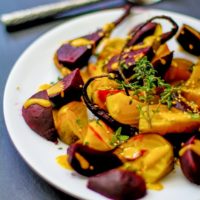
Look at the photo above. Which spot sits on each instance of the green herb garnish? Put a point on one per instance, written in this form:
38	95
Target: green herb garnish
118	138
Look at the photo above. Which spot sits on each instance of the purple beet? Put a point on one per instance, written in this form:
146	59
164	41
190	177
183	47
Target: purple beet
118	184
77	52
189	39
128	58
97	161
162	64
39	116
143	33
66	90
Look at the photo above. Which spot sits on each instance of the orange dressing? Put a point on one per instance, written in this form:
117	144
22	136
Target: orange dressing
41	102
154	186
55	89
62	161
44	87
81	42
83	162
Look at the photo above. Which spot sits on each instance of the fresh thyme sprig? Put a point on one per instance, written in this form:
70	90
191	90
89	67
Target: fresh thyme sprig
145	81
118	138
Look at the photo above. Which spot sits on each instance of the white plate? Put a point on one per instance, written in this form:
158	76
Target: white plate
36	67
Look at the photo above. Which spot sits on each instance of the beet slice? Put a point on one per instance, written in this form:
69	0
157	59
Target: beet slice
143	33
128	58
66	90
189	39
118	184
97	161
162	64
190	160
39	117
77	52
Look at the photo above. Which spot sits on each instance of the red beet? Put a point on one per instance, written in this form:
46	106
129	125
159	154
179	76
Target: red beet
73	56
189	39
66	90
190	161
144	32
98	161
129	60
40	118
118	184
162	64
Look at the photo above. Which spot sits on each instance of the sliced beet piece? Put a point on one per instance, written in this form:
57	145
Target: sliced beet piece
190	160
77	52
66	90
118	184
128	58
140	35
162	64
96	161
38	115
189	39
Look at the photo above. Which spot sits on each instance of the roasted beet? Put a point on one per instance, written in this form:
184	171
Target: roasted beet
88	162
145	27
66	90
118	184
128	58
190	160
37	112
176	140
77	52
162	64
189	39
103	114
140	35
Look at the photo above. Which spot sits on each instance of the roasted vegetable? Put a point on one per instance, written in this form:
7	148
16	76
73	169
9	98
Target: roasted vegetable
189	39
123	108
99	136
103	114
99	96
76	53
88	162
118	184
66	90
159	119
190	160
145	31
191	89
71	122
37	112
180	70
149	155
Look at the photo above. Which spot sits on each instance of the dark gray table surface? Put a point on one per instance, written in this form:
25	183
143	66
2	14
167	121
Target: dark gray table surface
17	180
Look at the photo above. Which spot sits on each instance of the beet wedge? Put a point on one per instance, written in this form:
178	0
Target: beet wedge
76	53
190	160
37	112
189	39
66	90
89	162
118	184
